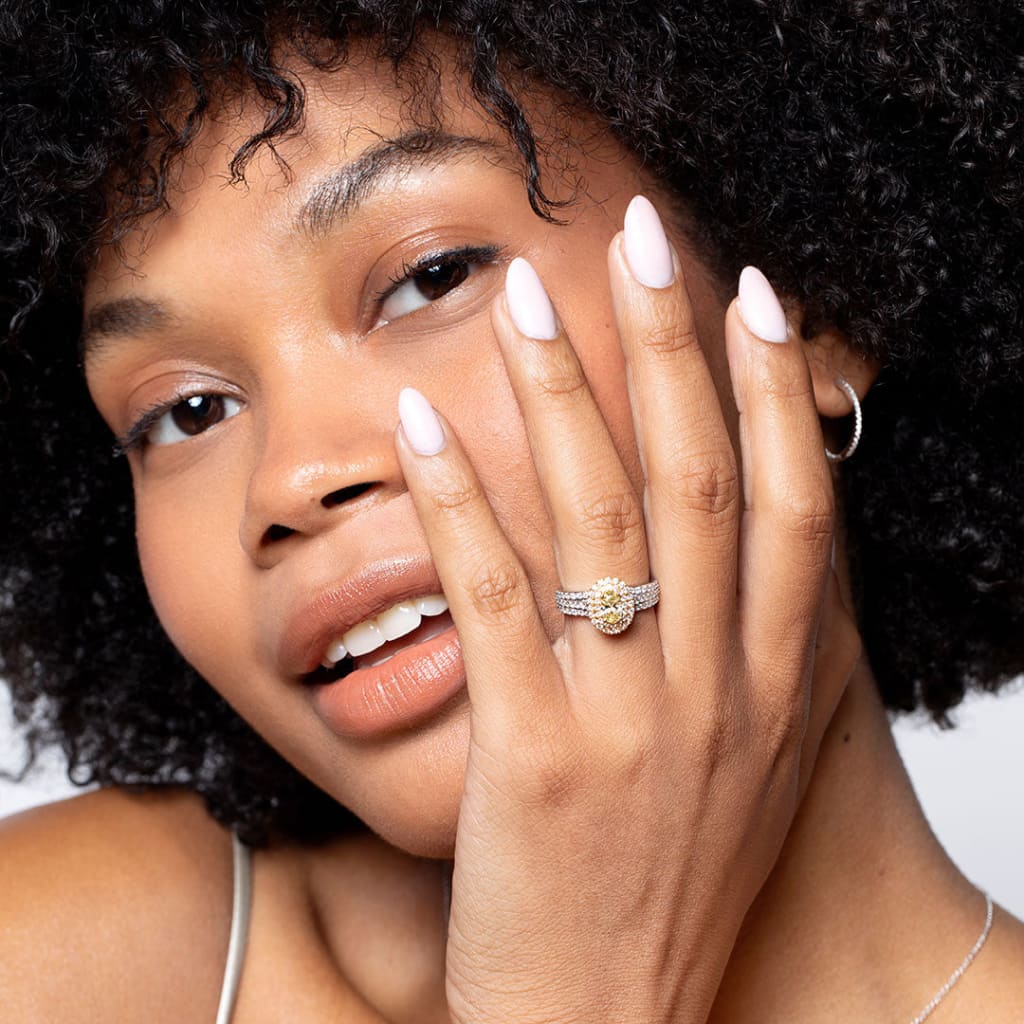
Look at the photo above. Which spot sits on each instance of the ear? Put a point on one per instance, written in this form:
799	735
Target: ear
830	355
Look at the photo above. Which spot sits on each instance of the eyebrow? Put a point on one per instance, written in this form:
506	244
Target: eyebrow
329	201
121	317
337	196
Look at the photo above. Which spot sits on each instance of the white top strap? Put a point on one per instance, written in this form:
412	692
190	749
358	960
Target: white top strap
241	902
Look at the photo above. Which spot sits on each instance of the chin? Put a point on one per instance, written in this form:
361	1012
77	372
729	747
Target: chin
435	840
410	789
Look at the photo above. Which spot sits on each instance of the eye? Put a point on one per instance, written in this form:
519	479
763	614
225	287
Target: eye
177	421
192	416
430	279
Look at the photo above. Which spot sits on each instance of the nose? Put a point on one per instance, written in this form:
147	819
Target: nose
302	484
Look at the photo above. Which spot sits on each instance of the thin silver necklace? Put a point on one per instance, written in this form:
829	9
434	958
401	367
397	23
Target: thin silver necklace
446	899
958	973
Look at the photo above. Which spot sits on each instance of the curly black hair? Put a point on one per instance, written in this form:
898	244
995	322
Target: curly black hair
864	153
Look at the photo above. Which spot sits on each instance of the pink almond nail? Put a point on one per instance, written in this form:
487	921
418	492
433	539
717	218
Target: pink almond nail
760	308
420	423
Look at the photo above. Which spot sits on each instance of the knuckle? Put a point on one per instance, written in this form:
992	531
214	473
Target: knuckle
810	519
550	772
784	387
555	373
611	520
450	501
630	757
669	338
498	591
561	383
708	485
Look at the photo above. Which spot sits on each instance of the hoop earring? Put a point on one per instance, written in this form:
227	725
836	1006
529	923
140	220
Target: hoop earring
858	422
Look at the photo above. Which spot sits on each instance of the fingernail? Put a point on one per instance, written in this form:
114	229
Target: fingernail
760	308
647	250
420	423
528	302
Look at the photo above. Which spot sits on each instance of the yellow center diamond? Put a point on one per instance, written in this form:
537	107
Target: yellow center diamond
611	605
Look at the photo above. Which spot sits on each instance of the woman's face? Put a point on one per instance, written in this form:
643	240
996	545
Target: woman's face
308	304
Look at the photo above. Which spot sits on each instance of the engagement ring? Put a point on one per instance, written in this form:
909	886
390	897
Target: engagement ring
610	604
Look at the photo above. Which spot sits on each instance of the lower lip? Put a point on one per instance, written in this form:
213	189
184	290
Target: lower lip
410	686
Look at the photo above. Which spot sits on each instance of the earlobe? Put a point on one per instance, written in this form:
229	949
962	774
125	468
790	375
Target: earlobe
831	356
842	378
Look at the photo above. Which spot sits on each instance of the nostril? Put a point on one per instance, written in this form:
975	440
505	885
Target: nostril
276	532
307	520
339	497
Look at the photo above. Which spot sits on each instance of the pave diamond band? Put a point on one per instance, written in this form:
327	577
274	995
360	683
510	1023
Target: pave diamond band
610	604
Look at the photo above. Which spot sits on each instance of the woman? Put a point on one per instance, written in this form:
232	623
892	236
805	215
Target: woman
277	231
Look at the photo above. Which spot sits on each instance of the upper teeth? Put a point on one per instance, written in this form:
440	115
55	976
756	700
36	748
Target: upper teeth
370	634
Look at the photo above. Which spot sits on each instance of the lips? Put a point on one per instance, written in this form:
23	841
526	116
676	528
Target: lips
413	686
399	685
429	628
334	610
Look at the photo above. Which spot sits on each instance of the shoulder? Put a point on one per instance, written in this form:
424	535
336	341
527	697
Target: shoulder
113	900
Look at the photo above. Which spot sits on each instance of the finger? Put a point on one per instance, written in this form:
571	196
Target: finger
788	494
596	514
837	649
509	664
692	495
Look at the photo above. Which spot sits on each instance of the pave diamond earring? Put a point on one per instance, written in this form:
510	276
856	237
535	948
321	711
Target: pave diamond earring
858	422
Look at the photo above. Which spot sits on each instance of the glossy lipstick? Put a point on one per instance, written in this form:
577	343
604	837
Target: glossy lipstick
410	686
423	674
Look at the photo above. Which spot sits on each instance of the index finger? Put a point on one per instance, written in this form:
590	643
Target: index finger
510	666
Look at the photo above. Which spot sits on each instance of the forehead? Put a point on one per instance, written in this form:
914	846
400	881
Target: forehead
396	123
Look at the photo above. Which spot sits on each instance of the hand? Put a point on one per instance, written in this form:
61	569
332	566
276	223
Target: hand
626	796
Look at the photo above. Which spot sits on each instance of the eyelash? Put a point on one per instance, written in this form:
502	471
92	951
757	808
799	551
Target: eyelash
481	254
135	436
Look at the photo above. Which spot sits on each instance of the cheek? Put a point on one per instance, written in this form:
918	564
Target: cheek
591	326
187	553
605	367
575	272
491	428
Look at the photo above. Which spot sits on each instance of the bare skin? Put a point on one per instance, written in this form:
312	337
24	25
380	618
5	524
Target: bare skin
150	877
354	930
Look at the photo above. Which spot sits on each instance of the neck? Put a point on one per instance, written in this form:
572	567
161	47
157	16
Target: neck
863	909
